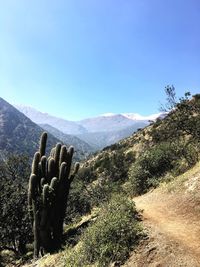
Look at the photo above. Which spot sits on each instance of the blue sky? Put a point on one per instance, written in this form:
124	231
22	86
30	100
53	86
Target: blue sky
81	58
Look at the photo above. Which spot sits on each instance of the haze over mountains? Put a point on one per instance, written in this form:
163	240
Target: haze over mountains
82	148
66	126
97	132
107	123
20	135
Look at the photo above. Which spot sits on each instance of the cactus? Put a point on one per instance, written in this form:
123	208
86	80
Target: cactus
48	191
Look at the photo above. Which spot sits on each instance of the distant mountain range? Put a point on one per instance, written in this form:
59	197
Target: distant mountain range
135	116
20	135
102	139
21	127
84	149
65	126
112	123
97	132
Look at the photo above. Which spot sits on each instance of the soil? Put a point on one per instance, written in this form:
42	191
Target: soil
172	224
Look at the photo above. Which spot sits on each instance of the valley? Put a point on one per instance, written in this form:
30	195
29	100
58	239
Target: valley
98	132
134	203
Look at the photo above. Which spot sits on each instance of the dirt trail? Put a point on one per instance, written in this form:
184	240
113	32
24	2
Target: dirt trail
173	230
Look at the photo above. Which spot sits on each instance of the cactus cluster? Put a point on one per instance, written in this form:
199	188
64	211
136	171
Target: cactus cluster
48	192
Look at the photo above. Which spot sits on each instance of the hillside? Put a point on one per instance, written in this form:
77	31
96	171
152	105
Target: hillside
18	134
155	171
171	219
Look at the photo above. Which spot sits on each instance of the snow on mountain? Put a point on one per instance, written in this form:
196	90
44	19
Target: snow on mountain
68	127
107	115
114	122
99	131
138	117
134	116
18	134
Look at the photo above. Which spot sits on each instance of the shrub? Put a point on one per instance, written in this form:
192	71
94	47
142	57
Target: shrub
147	171
183	118
102	190
115	165
87	174
115	232
15	230
79	202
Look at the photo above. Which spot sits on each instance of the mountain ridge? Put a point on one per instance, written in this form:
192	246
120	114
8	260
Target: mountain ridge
66	126
84	149
98	132
18	134
30	111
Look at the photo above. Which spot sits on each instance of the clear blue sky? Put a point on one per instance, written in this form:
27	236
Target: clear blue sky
81	58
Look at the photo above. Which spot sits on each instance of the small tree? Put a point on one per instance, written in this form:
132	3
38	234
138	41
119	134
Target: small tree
183	118
15	227
171	99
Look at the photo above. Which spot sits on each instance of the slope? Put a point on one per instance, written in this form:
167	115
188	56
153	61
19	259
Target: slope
18	134
158	156
171	219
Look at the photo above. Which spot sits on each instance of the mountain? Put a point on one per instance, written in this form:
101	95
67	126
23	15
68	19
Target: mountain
109	128
84	149
157	171
103	139
162	156
68	127
138	117
18	134
98	132
108	123
102	123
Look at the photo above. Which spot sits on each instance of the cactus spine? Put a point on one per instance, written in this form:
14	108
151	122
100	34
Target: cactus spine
48	192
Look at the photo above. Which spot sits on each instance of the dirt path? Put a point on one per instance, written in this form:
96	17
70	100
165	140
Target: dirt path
173	231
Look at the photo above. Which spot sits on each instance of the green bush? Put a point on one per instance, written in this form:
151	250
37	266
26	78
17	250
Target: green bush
15	230
111	237
183	119
148	170
79	202
114	165
87	174
102	191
